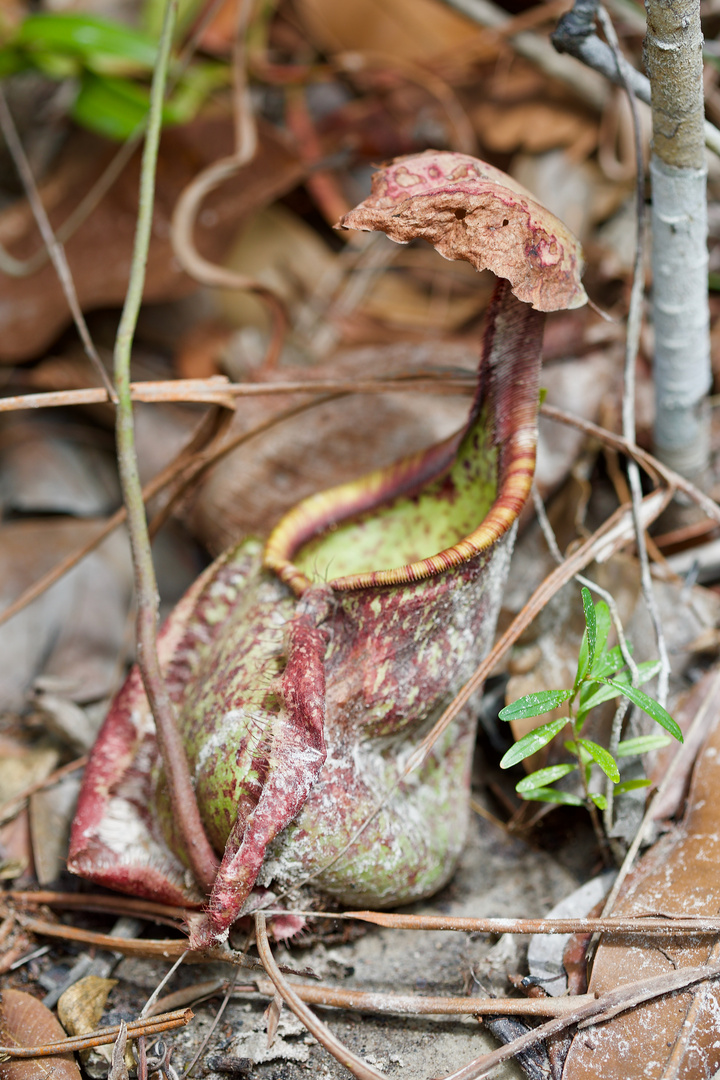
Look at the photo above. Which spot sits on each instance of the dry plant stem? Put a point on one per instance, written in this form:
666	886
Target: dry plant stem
413	1005
25	267
55	250
651	924
117	905
316	1027
218	391
185	810
162	948
372	1002
593	1012
101	1037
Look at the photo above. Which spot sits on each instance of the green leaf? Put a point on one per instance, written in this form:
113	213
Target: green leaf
544	777
103	46
590	623
632	785
599	800
114	108
608	662
602	757
641	744
532	742
603	622
653	708
583	663
609	689
534	704
548	794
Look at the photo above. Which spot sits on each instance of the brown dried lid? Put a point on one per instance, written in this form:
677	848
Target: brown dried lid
470	210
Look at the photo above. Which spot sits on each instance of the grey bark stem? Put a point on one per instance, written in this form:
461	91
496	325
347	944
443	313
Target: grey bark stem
673	56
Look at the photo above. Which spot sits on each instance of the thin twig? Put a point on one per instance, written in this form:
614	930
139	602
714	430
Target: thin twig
215	1021
632	345
147	1007
217	390
25	267
117	905
640	924
101	1037
184	804
652	466
315	1026
54	248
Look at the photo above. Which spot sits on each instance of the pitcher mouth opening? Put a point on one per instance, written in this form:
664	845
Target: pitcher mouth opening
417	518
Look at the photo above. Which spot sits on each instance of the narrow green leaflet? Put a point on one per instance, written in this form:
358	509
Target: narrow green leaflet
590	623
614	687
601	756
544	777
535	705
603	622
532	742
114	108
607	663
586	656
599	800
632	785
652	708
641	744
549	794
106	47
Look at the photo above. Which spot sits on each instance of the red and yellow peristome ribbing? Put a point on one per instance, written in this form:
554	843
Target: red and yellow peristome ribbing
509	378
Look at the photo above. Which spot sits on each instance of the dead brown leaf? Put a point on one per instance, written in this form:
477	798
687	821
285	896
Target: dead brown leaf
676	1036
34	310
409	29
25	1021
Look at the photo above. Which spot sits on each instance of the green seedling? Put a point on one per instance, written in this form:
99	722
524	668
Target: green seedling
601	675
111	64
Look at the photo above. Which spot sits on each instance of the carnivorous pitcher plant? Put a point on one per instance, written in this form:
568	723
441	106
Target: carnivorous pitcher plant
305	671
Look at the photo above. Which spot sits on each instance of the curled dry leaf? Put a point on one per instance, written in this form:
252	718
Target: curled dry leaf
25	1021
675	1036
